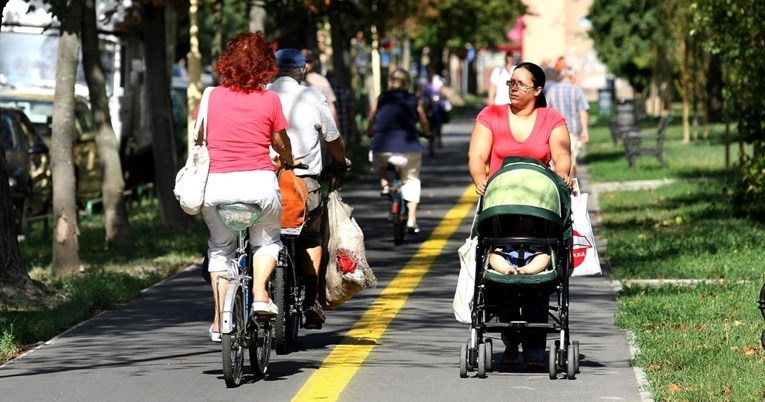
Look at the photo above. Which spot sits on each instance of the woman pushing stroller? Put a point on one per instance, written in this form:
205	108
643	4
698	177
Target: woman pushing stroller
523	128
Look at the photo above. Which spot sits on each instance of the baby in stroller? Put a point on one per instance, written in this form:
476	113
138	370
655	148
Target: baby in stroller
511	260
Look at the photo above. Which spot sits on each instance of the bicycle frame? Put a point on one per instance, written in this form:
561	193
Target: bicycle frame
238	277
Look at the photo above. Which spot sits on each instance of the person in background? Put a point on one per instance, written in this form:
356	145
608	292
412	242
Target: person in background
243	120
526	127
318	82
346	110
392	125
499	76
568	98
310	121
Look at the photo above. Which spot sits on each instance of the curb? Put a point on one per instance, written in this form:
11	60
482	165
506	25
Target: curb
593	208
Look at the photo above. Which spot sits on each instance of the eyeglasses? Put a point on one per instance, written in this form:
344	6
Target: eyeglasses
523	87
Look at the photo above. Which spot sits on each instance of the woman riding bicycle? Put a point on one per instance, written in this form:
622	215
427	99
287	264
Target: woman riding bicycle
244	119
392	126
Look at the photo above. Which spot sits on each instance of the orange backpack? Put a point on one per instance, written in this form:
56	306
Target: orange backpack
294	197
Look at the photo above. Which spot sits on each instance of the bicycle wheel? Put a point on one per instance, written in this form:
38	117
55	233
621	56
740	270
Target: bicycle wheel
232	343
281	298
260	347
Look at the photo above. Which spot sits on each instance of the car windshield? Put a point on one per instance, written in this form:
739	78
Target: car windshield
40	113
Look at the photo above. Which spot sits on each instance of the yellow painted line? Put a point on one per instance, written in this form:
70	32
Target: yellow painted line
344	361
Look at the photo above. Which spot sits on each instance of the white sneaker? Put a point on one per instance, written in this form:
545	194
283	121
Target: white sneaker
214	336
265	308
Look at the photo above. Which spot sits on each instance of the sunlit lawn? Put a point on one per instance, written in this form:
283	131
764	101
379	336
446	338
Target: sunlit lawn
701	342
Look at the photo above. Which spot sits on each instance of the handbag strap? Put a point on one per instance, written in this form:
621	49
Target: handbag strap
201	121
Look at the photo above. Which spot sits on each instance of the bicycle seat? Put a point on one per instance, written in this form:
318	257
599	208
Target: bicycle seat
239	216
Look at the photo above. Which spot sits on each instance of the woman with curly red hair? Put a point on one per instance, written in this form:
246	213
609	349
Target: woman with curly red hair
243	120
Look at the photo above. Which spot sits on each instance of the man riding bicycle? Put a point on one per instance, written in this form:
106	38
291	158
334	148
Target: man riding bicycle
310	119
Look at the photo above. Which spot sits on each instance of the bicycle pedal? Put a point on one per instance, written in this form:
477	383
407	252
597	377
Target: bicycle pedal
263	317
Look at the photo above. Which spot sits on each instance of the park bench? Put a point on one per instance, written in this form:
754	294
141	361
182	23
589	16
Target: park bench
624	121
637	144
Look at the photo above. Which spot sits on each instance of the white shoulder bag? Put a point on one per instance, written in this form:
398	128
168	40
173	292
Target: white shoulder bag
191	180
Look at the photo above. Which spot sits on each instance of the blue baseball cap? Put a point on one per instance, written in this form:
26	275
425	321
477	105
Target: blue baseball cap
290	58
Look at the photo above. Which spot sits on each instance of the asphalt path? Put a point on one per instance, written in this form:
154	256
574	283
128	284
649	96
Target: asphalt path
156	348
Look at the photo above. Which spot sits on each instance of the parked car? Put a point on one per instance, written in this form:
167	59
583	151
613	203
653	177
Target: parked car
28	166
38	106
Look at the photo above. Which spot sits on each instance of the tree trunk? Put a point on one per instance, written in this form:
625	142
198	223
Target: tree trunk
163	138
341	48
66	258
118	233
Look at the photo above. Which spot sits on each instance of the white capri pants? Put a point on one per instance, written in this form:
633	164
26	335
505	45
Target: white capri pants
252	187
411	188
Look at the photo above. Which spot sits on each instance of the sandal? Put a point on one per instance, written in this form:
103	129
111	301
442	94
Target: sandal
265	308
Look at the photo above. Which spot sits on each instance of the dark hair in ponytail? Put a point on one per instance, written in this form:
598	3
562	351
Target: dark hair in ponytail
538	78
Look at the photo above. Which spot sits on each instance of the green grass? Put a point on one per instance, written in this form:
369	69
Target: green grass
700	342
684	230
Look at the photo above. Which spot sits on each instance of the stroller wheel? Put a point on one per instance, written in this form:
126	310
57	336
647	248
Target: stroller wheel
489	354
482	360
463	361
571	364
576	353
552	365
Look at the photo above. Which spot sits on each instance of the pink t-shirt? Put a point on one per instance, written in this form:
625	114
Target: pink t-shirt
497	119
239	129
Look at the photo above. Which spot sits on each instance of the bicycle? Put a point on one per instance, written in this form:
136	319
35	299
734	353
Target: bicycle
287	283
239	328
397	207
288	287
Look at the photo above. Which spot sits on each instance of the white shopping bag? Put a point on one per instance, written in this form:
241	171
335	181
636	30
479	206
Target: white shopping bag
463	295
586	260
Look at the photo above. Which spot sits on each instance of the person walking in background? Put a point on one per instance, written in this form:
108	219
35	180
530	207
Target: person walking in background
525	127
568	98
243	119
498	94
436	104
318	82
346	111
310	121
393	128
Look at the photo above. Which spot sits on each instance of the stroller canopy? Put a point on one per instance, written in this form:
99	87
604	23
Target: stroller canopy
523	186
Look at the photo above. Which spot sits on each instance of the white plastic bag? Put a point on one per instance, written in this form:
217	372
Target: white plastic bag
348	271
463	295
191	180
585	260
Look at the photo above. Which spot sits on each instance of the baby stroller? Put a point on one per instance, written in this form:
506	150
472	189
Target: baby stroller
522	189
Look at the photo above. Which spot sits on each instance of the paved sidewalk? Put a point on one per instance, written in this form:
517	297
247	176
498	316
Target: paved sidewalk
594	190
